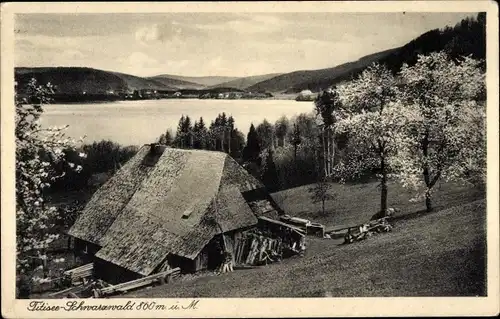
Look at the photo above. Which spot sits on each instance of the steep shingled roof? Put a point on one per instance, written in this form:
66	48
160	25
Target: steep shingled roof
171	201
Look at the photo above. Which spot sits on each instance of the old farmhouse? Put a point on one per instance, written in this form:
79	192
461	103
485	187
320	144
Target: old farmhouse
178	208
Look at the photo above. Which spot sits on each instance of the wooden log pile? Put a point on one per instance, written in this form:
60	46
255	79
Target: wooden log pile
79	274
255	247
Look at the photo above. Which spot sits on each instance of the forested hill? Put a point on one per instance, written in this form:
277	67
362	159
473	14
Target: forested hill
205	81
316	80
245	82
467	37
77	80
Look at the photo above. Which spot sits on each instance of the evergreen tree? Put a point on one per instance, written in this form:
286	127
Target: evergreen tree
295	140
162	139
281	129
221	132
200	135
187	130
230	132
265	132
237	144
169	137
251	152
270	173
212	137
166	138
179	135
216	133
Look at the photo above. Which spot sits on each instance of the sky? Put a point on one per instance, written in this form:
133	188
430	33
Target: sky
210	44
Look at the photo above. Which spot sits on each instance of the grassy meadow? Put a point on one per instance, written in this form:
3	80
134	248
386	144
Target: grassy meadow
436	254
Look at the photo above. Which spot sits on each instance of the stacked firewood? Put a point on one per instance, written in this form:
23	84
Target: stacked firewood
79	274
264	250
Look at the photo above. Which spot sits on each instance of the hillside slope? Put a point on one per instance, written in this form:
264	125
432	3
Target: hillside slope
177	83
206	81
316	80
76	80
441	254
245	82
347	208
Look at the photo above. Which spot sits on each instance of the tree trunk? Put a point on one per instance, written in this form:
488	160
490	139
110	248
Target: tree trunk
229	141
324	153
328	142
223	140
383	184
427	178
333	153
323	201
295	152
428	202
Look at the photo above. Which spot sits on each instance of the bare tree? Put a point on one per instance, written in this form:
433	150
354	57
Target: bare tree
321	192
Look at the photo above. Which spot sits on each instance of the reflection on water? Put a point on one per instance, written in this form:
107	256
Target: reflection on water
139	122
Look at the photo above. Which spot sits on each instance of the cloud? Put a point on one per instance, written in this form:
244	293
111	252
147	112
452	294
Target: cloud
171	32
147	34
247	24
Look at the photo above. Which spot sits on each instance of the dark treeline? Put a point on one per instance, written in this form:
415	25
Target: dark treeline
468	37
98	161
220	135
291	152
283	154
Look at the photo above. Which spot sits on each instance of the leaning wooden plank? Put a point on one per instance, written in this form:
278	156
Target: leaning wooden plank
61	292
138	282
79	269
298	230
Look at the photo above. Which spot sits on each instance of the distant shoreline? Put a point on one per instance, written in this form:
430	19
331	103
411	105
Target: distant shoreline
286	97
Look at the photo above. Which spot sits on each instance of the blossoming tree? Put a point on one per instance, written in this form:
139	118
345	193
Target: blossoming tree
446	132
40	160
373	119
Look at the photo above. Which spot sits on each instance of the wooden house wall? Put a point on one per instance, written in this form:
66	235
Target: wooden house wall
85	250
185	264
244	246
112	273
288	236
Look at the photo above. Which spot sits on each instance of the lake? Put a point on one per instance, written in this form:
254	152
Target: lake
140	122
